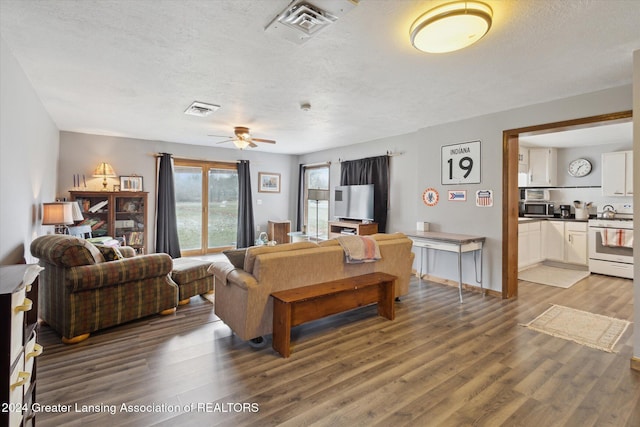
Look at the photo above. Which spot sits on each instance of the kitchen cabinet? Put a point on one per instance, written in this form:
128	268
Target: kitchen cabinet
553	240
575	240
565	241
523	159
617	174
543	167
529	244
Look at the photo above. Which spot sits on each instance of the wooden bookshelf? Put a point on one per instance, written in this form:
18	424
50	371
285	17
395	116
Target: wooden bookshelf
123	217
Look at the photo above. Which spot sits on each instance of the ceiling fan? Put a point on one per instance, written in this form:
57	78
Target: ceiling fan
243	138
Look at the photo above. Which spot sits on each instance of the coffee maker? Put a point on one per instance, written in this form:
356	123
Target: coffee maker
565	211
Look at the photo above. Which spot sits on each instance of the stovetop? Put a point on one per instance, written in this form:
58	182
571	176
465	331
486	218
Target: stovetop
626	223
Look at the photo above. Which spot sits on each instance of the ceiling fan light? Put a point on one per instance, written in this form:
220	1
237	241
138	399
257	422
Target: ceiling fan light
241	143
451	27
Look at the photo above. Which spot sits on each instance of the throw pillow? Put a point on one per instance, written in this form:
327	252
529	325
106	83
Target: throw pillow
109	253
236	256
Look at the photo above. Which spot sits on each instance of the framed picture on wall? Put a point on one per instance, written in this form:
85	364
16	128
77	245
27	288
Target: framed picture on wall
131	183
268	182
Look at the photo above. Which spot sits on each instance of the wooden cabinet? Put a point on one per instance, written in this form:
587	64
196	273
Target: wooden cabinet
543	167
617	174
341	228
279	231
19	326
118	214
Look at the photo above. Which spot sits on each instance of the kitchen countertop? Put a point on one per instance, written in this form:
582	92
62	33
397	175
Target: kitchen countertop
555	218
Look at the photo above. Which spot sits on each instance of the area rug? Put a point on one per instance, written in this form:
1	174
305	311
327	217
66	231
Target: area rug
553	276
582	327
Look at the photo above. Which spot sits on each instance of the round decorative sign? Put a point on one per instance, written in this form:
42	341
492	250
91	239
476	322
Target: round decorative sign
430	197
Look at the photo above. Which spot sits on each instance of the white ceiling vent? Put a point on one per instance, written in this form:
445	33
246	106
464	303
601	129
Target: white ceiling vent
302	19
200	109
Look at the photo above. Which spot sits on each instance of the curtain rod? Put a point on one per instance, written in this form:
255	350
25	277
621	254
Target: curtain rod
195	159
309	165
388	153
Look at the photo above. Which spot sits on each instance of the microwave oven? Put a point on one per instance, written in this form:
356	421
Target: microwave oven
538	209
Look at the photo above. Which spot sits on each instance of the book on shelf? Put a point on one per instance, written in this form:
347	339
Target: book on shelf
98	225
135	238
95	208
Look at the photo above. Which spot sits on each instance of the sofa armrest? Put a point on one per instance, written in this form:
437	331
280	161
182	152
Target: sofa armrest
127	251
241	279
112	273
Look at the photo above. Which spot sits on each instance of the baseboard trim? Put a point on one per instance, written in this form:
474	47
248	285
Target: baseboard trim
454	284
635	363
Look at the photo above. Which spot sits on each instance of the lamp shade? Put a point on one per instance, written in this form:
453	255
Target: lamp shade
76	211
317	194
104	170
451	26
57	213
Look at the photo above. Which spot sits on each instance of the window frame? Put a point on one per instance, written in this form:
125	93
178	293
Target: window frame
205	166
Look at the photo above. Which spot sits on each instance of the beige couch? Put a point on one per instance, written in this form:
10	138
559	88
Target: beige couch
242	295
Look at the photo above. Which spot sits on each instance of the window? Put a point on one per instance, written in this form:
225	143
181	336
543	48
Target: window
206	205
316	212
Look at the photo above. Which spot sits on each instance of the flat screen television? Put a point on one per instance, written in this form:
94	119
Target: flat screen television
353	202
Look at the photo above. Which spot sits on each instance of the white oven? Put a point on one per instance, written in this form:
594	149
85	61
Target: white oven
611	247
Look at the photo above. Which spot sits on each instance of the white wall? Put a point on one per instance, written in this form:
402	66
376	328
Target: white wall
28	160
81	153
418	166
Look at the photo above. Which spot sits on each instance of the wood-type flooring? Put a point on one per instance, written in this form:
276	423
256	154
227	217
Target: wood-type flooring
439	363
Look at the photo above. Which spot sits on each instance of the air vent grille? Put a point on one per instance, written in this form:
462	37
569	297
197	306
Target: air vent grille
200	109
307	18
301	20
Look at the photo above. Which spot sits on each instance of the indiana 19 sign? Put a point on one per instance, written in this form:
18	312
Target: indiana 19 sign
461	163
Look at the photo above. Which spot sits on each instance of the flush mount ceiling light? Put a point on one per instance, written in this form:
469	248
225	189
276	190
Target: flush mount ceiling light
451	26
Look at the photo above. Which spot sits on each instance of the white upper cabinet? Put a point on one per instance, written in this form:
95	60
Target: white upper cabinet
543	167
523	159
617	173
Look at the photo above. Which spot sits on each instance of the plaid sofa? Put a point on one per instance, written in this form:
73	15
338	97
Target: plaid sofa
82	291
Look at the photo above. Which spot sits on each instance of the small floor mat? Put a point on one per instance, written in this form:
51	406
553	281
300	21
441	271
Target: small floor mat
582	327
553	276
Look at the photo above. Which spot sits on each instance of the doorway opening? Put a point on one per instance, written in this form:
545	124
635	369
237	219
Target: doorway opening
511	194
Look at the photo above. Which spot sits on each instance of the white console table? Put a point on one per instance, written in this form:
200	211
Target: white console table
449	242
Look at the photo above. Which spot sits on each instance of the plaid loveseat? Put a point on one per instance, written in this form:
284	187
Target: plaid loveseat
80	292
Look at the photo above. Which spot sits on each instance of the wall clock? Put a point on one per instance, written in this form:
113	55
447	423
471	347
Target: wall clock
579	167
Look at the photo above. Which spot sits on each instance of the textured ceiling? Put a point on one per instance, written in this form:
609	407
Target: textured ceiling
130	68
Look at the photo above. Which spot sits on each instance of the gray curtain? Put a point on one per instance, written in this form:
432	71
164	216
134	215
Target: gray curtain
246	230
166	225
372	170
300	210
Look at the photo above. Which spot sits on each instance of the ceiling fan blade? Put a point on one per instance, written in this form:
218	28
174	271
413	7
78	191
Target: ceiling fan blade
221	136
269	141
251	144
226	140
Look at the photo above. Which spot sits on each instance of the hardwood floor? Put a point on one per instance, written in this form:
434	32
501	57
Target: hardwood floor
439	363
